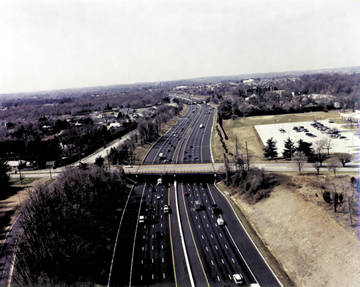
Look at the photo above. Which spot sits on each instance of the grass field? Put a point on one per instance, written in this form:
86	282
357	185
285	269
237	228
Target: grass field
243	129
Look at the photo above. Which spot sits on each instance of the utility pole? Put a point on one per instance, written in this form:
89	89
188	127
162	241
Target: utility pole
247	157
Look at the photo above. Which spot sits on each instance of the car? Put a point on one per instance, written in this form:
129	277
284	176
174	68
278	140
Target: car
282	130
343	137
166	209
238	278
158	196
220	221
186	193
201	126
141	219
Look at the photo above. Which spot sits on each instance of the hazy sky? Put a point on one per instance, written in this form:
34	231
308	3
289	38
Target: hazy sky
50	44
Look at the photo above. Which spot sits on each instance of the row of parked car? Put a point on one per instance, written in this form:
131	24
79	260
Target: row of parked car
300	129
333	133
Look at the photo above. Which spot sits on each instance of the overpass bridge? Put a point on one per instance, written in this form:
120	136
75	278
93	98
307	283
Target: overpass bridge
181	169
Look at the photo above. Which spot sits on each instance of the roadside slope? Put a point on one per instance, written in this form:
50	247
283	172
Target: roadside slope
313	249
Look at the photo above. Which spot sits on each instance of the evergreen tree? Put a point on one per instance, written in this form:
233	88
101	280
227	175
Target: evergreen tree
270	150
289	149
306	148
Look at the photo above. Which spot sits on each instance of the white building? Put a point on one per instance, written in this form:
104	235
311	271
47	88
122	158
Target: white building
355	117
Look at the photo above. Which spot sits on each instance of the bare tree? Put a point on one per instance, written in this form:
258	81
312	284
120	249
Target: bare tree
333	165
319	148
344	158
300	159
317	166
328	145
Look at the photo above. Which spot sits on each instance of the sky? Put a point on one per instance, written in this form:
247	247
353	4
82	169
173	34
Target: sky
56	44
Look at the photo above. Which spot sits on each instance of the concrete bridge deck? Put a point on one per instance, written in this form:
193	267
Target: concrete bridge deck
190	168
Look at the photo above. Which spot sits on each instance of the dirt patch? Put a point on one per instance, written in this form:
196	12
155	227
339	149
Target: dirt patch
313	245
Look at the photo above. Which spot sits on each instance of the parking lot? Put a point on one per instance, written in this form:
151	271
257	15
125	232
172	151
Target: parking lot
342	140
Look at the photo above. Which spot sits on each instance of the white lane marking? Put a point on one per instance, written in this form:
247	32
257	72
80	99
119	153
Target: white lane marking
229	276
204	216
212	262
152	236
218	278
212	236
144	237
196	217
162	246
152	260
161	216
199	226
216	247
141	277
163	275
202	236
222	261
220	234
142	261
152	276
152	247
207	225
212	216
232	259
226	246
153	226
162	260
161	225
143	248
207	249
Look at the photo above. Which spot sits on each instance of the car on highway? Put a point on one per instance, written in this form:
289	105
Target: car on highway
186	193
141	219
198	205
166	209
220	221
238	278
201	126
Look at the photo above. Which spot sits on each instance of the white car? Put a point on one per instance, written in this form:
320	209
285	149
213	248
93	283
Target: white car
238	278
220	221
166	209
141	219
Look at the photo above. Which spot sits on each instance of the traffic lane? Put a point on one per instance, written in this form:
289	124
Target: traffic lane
121	269
197	270
258	266
227	261
226	246
155	150
211	260
152	259
169	141
194	140
181	272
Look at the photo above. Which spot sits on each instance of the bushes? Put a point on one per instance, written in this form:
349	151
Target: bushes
69	228
254	183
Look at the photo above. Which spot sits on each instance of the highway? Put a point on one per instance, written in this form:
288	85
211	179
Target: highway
185	245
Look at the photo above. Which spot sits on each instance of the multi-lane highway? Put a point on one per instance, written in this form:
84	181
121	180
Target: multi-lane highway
171	233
